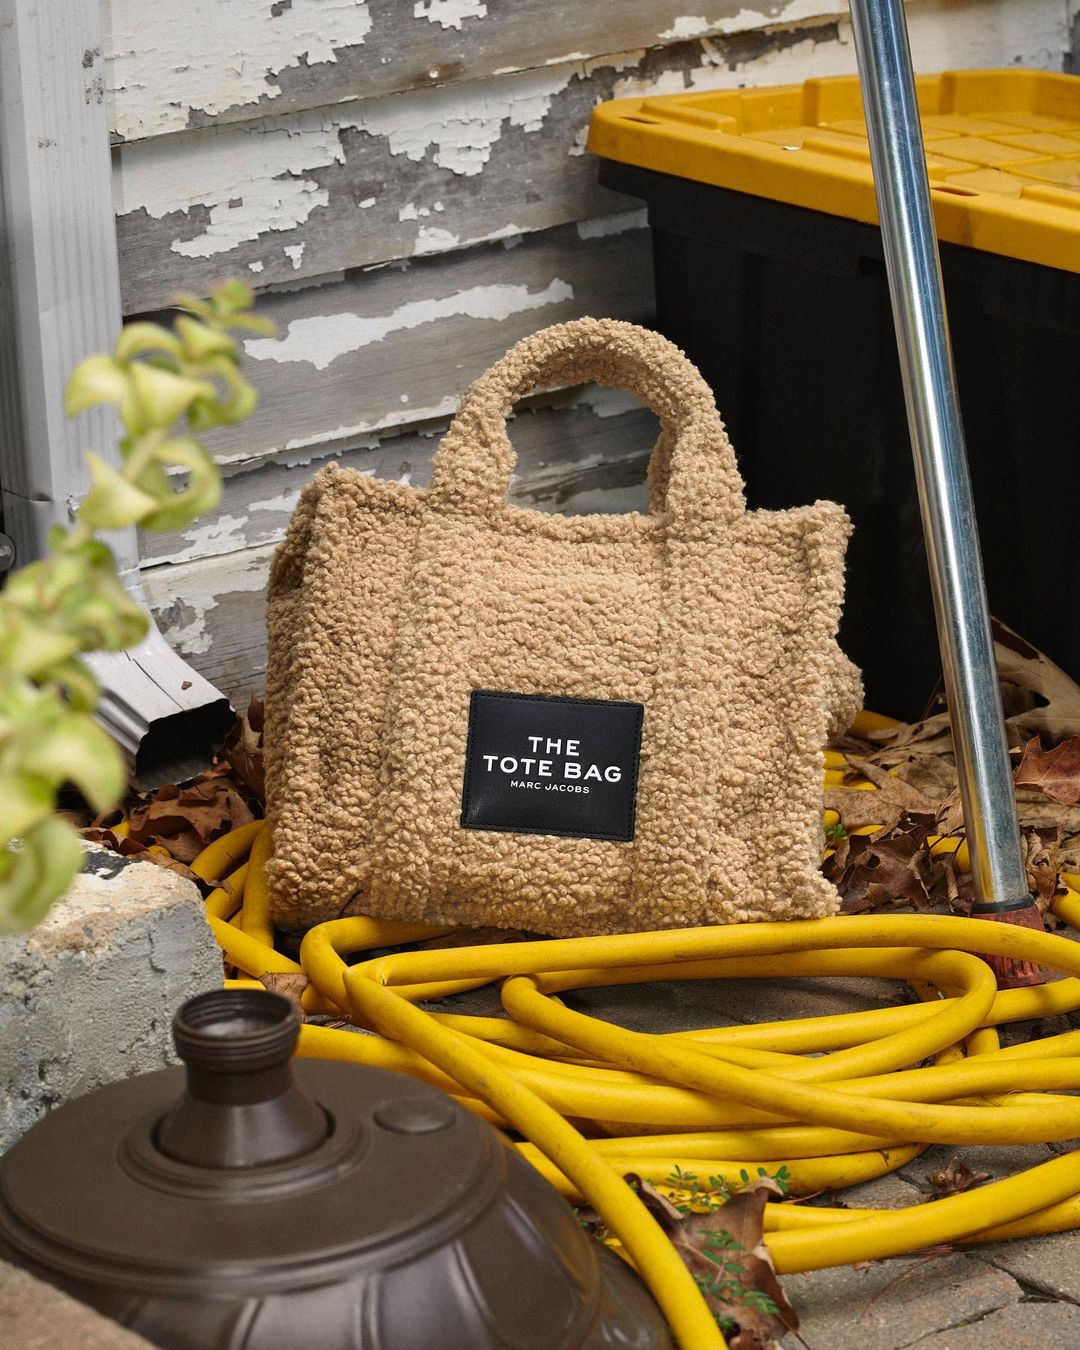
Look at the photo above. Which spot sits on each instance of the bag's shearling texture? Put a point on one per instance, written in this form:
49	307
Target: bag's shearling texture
388	605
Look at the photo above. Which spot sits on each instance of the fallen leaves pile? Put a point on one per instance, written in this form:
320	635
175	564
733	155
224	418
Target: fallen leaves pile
901	845
173	824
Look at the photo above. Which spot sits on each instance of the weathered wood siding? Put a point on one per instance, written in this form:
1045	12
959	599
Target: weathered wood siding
406	183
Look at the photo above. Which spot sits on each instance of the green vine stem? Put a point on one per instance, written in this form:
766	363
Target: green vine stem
168	385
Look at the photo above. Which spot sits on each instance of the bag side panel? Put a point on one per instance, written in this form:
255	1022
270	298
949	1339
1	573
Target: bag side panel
754	616
332	619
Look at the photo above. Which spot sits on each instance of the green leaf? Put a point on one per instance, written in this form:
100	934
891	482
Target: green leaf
138	338
38	872
112	501
81	689
112	620
193	304
24	800
98	379
163	396
234	294
76	750
202	342
240	401
253	323
202	493
29	648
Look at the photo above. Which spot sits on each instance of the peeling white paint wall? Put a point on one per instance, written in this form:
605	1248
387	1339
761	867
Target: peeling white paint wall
219	189
322	339
442	133
244	188
202	591
449	13
216	53
944	34
464	121
237	185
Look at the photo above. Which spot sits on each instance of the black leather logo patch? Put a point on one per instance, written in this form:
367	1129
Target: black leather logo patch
540	765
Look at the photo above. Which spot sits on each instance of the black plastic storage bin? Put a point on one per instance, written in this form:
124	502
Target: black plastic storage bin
786	311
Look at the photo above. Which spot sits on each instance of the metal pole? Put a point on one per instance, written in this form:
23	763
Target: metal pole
937	438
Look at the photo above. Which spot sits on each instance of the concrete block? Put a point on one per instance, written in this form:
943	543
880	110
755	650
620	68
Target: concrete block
35	1316
892	1304
88	995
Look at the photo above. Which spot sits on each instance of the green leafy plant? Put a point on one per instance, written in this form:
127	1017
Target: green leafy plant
690	1196
726	1285
167	385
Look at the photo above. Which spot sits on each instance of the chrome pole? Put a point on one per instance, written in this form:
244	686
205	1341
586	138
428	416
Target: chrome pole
937	437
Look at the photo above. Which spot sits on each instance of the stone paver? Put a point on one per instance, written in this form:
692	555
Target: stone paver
999	1160
681	1005
1050	1264
1023	1326
887	1192
890	1305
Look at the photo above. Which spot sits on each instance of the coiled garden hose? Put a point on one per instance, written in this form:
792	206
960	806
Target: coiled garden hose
835	1100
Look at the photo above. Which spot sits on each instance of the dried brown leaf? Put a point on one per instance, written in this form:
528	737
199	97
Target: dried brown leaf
1040	698
1041	862
950	814
841	854
955	1178
931	735
1055	772
243	749
880	872
725	1251
934	775
893	799
291	983
185	819
134	848
1069	853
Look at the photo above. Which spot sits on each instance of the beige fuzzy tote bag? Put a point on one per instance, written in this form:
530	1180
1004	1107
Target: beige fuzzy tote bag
480	714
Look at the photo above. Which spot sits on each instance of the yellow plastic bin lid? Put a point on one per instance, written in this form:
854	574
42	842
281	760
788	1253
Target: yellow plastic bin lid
1002	149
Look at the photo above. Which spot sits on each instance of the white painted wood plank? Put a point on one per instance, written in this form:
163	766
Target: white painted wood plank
232	60
285	198
397	346
213	614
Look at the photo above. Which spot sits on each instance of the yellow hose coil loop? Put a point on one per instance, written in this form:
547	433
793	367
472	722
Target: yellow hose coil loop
835	1100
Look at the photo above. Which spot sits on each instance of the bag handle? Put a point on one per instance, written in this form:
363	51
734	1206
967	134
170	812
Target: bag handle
692	472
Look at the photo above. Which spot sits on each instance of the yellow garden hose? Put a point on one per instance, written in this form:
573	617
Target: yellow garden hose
224	855
256	921
834	1100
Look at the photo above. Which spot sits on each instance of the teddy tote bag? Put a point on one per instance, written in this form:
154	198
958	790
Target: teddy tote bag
480	714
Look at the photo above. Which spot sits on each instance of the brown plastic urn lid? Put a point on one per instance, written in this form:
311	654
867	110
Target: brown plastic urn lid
250	1202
